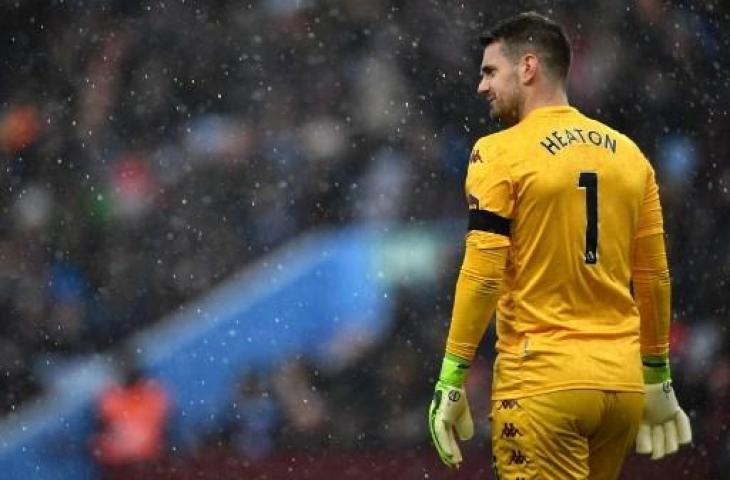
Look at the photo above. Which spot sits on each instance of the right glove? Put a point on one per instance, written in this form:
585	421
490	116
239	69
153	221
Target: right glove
449	411
665	426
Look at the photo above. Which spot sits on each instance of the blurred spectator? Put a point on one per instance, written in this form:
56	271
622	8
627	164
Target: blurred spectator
716	428
17	382
19	127
132	425
253	419
304	410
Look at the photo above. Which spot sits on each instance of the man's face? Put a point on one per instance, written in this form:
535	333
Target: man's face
500	85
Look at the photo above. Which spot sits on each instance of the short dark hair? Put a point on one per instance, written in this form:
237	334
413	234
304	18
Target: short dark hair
530	30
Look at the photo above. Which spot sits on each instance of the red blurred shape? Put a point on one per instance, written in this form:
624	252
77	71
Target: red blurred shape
19	127
134	423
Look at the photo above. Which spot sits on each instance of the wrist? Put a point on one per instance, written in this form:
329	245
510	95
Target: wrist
656	368
454	370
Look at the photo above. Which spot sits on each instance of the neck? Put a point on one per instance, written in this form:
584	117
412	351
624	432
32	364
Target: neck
543	98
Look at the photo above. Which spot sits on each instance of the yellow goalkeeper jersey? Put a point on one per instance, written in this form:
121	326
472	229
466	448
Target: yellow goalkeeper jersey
569	196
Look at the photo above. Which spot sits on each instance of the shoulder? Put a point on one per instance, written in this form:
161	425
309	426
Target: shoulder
624	140
491	148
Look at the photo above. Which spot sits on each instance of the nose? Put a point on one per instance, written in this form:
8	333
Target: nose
483	87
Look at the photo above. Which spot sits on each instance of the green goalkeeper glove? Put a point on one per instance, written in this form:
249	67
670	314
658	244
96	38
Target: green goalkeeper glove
665	426
449	411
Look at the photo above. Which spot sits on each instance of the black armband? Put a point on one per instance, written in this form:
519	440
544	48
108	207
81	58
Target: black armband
487	221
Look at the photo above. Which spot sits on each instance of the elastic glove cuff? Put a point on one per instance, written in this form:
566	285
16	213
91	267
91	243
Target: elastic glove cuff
656	368
454	370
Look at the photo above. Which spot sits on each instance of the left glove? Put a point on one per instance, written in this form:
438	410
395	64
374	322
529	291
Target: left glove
449	412
665	426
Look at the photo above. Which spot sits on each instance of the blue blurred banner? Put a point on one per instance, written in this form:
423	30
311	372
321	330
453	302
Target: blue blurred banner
302	301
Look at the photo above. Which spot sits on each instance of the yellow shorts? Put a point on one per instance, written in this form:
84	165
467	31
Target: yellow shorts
565	435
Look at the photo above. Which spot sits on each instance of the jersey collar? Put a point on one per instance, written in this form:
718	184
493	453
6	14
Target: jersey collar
551	110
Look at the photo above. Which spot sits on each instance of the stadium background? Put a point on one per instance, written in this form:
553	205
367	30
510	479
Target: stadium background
259	205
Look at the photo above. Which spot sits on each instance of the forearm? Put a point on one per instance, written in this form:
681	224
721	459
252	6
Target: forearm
652	290
477	291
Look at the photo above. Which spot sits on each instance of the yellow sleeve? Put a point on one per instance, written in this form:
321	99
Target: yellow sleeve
489	192
477	291
652	290
650	216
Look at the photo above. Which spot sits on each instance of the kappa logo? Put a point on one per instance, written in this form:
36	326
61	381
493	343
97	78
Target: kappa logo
518	458
507	404
475	157
509	430
454	395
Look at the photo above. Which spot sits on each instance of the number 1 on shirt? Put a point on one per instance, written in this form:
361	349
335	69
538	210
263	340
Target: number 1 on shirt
589	181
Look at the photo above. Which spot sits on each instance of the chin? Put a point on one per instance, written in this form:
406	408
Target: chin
502	119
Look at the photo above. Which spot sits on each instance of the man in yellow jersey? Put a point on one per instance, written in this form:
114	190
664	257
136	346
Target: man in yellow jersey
564	215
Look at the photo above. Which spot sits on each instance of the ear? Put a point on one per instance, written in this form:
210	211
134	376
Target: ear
528	67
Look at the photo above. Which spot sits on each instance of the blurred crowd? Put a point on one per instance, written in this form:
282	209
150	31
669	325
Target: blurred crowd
152	148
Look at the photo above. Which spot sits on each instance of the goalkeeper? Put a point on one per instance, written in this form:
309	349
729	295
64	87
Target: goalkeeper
564	215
